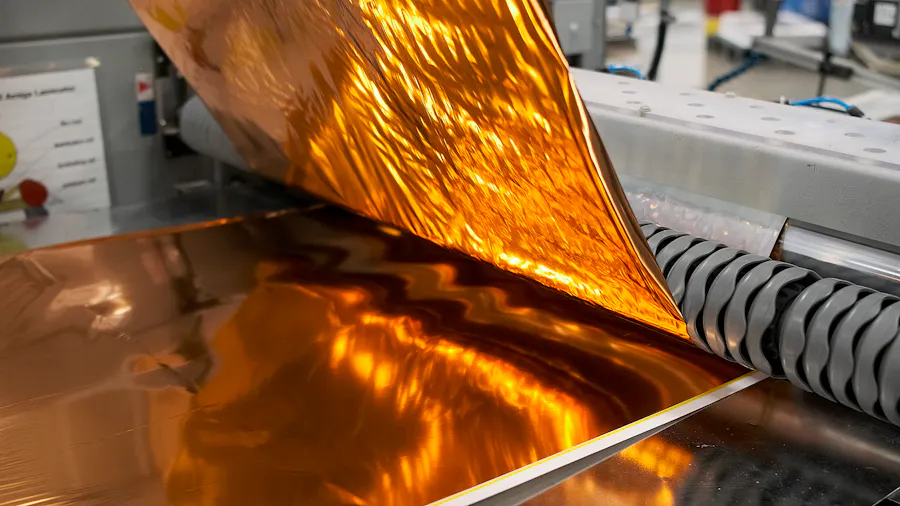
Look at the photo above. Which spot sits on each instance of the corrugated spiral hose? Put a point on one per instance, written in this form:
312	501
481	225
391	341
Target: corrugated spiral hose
826	336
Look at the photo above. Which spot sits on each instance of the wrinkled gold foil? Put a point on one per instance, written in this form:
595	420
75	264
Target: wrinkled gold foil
454	119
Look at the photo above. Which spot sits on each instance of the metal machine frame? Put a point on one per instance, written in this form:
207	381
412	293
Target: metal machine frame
807	165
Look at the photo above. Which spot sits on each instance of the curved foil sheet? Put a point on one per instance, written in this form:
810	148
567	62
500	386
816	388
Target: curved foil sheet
317	359
456	120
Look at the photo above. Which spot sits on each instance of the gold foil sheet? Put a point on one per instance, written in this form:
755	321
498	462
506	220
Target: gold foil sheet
317	359
454	119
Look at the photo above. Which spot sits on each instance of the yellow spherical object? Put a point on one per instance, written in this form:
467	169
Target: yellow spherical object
7	156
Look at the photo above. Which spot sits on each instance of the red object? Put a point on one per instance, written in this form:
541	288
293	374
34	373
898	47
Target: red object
142	87
33	193
716	7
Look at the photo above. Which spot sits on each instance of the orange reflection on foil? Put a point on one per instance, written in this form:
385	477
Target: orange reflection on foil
660	464
456	120
322	400
311	358
564	421
658	457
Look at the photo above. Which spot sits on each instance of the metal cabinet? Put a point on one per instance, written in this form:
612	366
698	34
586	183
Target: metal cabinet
574	25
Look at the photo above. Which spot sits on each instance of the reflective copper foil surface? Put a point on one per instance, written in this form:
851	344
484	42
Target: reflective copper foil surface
315	358
454	119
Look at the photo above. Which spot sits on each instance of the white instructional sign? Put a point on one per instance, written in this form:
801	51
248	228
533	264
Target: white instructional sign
51	145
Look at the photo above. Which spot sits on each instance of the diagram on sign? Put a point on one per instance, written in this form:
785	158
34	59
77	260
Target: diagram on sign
27	194
7	155
51	145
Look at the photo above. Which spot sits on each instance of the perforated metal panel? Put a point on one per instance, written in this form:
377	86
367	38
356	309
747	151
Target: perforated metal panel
827	169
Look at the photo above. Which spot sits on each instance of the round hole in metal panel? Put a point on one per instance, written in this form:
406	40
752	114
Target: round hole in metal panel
854	134
874	150
633	102
784	132
705	116
771	118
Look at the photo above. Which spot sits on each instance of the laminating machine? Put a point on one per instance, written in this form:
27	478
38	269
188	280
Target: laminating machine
264	346
708	174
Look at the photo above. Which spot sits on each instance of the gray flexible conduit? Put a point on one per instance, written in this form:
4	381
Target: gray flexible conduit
826	336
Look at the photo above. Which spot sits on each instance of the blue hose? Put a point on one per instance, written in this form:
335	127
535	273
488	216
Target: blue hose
749	63
627	68
852	110
822	100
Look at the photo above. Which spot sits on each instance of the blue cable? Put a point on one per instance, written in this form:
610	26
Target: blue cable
822	100
627	68
749	63
852	110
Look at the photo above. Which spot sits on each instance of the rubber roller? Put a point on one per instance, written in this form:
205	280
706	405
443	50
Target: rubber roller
826	336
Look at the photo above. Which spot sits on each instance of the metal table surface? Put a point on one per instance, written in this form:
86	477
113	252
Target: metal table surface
204	204
769	444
